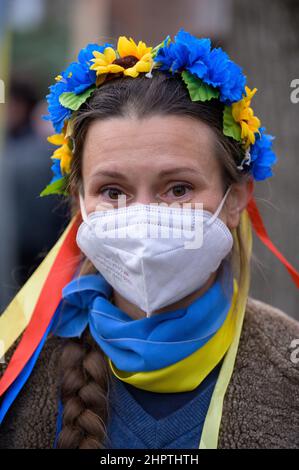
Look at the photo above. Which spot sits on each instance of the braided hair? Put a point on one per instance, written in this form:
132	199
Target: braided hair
85	382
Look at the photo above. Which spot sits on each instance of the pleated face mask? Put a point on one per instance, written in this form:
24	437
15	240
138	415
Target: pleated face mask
152	254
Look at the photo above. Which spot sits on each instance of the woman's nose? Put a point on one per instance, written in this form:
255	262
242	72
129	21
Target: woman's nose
145	196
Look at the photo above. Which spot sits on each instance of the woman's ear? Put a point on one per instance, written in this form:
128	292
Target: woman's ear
236	202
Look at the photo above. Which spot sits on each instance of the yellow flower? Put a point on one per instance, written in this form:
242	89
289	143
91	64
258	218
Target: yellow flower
128	47
243	114
103	62
63	153
137	57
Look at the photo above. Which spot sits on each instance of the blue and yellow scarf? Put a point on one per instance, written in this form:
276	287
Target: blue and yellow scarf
167	352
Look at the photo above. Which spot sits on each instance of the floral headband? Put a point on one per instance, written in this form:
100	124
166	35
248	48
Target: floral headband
207	72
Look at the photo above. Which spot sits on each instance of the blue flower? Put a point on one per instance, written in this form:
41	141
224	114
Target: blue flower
179	56
213	67
57	113
198	51
78	75
186	53
224	74
76	78
262	156
234	86
56	170
217	68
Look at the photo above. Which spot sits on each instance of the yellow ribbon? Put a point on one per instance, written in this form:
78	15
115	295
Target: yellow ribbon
211	428
17	315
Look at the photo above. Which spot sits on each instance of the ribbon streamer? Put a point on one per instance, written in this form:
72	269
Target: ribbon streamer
59	275
260	229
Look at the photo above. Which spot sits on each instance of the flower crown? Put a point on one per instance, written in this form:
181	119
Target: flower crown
207	72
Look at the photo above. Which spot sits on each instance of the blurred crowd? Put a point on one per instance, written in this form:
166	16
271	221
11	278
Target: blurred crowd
32	223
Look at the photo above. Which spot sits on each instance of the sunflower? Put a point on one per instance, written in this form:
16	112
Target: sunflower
63	153
104	62
244	115
129	58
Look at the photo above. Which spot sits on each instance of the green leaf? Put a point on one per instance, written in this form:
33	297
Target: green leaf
198	90
230	127
70	100
57	187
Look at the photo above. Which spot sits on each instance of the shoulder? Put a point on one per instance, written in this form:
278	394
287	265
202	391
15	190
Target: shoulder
271	332
271	321
261	406
31	420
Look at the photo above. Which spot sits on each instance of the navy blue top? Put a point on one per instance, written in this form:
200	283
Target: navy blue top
150	420
160	405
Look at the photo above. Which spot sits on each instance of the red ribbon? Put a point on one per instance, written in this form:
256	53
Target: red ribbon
60	274
258	225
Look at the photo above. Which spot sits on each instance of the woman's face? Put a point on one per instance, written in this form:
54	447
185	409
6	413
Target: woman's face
169	159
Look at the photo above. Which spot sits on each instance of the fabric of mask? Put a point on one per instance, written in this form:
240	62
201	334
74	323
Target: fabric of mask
154	255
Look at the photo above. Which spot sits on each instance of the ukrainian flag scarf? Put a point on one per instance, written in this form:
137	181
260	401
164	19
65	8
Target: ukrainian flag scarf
158	353
189	372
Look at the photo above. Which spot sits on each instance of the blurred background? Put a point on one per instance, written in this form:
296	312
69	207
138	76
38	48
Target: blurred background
39	38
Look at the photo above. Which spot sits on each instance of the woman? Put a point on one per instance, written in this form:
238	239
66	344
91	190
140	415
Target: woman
165	349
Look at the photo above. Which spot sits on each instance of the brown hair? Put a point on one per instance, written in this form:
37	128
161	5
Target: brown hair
86	376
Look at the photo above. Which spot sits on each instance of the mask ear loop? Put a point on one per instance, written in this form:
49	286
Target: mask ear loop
219	208
83	210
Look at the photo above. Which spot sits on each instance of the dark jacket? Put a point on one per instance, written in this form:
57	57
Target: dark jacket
261	405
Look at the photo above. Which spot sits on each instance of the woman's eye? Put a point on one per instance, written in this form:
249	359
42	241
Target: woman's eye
179	190
112	193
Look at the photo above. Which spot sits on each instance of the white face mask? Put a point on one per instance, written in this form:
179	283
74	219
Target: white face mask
154	255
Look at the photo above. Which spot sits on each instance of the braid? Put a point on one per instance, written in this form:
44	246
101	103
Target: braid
84	394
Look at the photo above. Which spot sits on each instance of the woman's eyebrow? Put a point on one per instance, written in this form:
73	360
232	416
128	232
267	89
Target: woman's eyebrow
171	171
176	171
110	173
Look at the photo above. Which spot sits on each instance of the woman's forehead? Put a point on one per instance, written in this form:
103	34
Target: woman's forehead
157	140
